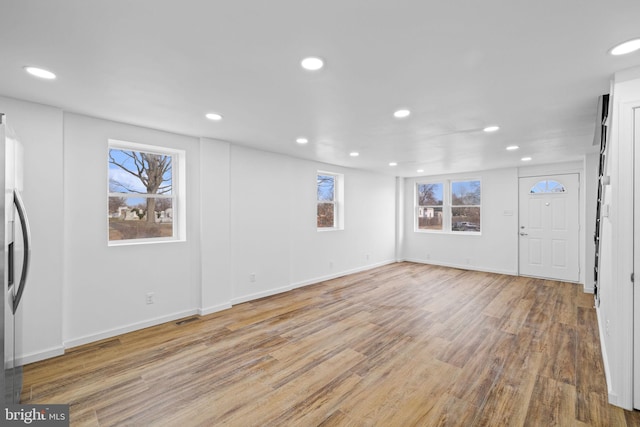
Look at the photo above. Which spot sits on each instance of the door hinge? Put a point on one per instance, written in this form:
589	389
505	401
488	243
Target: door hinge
632	278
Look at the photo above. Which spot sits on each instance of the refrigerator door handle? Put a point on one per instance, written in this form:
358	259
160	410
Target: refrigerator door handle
26	236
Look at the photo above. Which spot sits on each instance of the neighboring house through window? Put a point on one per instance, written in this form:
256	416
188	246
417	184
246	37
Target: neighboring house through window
449	205
144	200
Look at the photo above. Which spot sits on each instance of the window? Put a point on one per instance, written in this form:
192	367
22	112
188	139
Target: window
465	206
451	206
143	200
329	197
547	186
430	203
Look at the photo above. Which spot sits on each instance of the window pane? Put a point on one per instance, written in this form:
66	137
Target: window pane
549	186
465	219
430	218
128	217
139	172
326	187
430	194
465	193
326	215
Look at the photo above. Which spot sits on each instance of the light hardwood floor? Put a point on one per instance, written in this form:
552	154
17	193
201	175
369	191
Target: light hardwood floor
401	345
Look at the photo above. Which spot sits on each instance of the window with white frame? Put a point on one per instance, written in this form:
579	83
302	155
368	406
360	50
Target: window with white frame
145	193
449	206
430	205
329	201
465	206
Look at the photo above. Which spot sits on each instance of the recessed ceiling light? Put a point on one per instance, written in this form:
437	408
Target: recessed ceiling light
393	164
420	170
354	154
400	114
312	63
213	116
512	147
40	72
526	159
302	140
491	128
626	47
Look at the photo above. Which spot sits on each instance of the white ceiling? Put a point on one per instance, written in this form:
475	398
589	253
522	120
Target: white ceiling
535	68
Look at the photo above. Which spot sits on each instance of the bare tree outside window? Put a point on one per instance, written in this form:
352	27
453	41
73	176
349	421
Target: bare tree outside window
465	206
141	198
430	203
326	196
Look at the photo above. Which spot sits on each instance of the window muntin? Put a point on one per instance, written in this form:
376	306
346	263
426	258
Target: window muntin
326	201
547	186
142	179
465	206
450	206
430	206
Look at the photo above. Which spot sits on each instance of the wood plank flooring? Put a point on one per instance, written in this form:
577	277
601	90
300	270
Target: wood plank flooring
401	345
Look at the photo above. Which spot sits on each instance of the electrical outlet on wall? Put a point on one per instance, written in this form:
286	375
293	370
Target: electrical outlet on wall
150	298
252	277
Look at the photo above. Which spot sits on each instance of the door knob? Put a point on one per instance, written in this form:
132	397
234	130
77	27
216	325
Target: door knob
524	234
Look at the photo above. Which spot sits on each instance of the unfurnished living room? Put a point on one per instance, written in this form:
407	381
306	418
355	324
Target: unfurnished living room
337	213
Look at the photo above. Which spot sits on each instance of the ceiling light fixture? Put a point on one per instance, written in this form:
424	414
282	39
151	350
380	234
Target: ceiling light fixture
420	170
626	47
512	147
40	72
491	128
526	159
213	116
302	140
312	63
401	114
354	154
393	164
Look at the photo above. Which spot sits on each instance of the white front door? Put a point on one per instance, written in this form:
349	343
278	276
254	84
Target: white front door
549	227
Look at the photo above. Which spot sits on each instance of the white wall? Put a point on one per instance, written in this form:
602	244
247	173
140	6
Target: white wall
215	223
369	217
615	313
105	286
495	250
40	129
273	224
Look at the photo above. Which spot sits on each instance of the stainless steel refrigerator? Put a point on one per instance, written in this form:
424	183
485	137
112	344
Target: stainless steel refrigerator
15	246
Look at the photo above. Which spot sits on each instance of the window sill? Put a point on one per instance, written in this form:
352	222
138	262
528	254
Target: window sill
324	230
143	242
450	233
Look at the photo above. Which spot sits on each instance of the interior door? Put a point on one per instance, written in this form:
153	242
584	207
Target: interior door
549	227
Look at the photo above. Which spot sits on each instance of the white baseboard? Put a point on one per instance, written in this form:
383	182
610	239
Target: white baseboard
462	266
343	273
200	311
213	309
303	283
128	328
258	295
25	359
